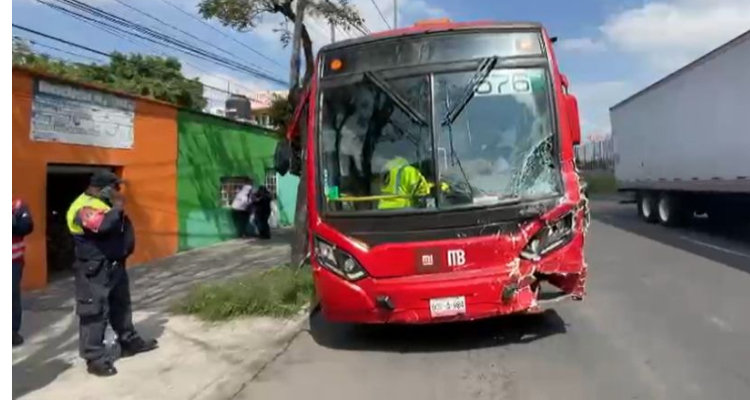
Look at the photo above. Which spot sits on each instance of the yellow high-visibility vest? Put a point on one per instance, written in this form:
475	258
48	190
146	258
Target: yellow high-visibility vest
83	200
403	180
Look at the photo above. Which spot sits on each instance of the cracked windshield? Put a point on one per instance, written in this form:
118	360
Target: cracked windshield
500	146
378	152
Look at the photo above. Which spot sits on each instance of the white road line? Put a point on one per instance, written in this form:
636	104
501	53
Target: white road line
715	247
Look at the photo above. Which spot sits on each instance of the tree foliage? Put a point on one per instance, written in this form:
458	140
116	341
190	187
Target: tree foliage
281	113
245	15
151	76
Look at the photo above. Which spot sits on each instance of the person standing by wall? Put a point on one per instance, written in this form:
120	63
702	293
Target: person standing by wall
262	208
241	210
104	239
23	225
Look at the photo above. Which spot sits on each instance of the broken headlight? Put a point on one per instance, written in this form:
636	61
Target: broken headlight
550	238
337	261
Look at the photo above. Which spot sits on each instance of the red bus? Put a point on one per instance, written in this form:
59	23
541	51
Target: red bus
441	182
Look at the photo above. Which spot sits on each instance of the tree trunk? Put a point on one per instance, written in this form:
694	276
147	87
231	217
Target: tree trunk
296	39
309	56
301	242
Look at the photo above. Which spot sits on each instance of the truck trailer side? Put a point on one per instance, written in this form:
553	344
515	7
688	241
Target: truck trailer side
682	145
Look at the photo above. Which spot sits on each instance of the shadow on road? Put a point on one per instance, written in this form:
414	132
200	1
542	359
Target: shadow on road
728	244
43	364
51	327
516	329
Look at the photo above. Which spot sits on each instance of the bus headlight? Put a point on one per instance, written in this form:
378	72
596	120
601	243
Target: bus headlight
550	238
338	261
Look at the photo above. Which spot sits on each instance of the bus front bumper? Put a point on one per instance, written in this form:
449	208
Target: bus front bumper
408	300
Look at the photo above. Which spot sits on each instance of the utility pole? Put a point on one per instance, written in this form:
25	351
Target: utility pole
296	45
333	32
395	14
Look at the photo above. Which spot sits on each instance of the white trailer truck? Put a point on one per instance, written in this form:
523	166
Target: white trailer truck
682	145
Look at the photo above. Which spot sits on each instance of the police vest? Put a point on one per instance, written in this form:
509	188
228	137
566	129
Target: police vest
115	245
84	200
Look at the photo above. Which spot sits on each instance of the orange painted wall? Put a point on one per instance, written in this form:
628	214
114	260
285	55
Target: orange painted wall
150	169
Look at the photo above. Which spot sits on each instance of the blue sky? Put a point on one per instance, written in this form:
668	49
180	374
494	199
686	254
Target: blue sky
608	48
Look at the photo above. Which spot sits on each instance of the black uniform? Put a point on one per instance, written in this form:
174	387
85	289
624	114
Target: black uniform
23	225
102	285
104	238
262	207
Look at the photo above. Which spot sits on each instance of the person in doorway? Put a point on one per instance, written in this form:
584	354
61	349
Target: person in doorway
104	239
242	209
23	225
262	208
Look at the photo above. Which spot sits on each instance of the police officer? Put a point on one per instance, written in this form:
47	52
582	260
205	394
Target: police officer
104	238
23	225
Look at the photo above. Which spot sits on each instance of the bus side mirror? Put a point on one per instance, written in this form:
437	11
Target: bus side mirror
571	108
282	158
573	119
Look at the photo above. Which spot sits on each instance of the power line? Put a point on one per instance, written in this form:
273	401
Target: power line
379	12
115	33
361	27
169	41
35	43
221	33
341	32
109	55
60	40
134	29
57	49
153	36
137	10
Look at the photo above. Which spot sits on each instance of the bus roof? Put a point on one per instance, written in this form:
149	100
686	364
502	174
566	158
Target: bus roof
437	27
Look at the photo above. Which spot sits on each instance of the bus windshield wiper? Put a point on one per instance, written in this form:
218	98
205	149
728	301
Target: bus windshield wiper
396	98
485	67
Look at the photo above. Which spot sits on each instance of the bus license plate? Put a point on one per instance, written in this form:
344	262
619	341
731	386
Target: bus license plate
448	306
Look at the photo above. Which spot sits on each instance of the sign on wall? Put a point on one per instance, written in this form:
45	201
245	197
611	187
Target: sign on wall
70	115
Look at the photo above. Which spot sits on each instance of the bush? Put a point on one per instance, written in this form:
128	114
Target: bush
278	292
600	182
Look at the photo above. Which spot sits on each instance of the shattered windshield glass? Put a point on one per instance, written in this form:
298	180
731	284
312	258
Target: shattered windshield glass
377	150
500	147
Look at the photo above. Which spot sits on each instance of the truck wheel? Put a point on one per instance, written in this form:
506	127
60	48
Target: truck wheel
647	206
670	210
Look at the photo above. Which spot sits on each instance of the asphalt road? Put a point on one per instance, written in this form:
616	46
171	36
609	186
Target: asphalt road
667	316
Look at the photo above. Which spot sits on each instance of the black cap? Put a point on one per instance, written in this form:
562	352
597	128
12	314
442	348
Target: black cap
104	178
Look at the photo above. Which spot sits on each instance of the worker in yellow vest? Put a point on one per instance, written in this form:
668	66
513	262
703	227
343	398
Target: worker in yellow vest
104	238
405	181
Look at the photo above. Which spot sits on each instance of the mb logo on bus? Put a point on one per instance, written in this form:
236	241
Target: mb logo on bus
456	258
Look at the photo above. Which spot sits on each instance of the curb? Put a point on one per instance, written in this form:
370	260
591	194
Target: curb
230	384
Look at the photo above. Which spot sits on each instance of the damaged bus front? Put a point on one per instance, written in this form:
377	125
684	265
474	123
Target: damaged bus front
441	183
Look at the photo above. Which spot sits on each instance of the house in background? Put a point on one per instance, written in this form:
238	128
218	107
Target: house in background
260	104
182	168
